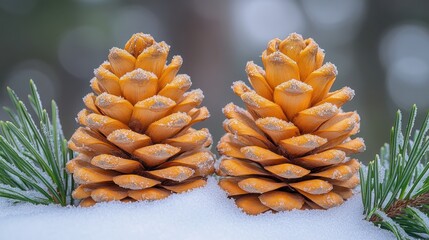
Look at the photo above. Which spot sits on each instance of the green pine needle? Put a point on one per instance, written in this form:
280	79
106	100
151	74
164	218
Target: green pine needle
33	154
395	186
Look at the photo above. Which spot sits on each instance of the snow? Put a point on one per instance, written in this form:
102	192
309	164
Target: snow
204	213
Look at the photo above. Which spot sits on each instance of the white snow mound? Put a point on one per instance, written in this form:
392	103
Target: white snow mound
203	213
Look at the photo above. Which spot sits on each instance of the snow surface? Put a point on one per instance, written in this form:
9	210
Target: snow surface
204	213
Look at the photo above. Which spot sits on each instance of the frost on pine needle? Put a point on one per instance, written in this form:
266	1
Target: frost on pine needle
396	183
33	154
388	223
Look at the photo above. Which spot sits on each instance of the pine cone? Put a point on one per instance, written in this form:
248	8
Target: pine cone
136	140
289	149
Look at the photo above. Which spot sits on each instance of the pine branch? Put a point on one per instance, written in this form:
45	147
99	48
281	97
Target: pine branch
33	154
395	186
398	207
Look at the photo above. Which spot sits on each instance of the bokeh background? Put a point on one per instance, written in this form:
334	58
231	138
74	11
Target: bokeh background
381	48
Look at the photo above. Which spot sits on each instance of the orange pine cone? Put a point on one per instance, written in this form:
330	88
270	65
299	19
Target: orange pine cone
136	141
290	149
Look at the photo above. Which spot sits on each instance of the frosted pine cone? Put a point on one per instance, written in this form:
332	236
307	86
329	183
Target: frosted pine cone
289	149
136	140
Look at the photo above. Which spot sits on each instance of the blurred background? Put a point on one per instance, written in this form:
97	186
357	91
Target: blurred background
381	48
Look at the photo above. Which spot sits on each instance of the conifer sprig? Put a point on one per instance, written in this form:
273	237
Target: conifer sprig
33	154
395	186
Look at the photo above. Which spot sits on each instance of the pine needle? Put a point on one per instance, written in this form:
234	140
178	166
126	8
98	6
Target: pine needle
395	186
33	154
